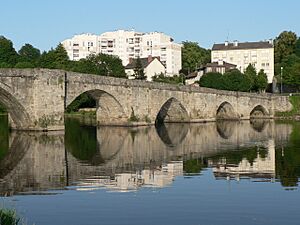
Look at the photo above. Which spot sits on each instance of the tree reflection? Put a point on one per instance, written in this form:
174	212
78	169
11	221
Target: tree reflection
4	136
81	141
288	160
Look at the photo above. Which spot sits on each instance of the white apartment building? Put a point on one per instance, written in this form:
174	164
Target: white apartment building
128	44
80	46
259	54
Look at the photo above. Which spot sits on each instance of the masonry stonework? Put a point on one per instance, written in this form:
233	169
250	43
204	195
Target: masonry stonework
36	100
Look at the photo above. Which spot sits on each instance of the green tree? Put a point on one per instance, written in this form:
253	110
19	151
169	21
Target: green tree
55	58
29	54
234	80
297	47
193	56
212	80
285	45
8	55
250	72
261	81
176	79
139	70
101	64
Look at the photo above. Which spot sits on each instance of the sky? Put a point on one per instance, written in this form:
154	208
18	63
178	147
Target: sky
45	23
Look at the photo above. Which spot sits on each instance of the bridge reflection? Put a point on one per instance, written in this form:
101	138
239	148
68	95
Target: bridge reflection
123	159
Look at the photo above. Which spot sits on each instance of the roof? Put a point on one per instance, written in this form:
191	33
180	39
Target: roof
144	61
244	45
216	64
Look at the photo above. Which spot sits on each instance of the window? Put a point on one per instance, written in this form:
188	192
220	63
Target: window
263	64
75	44
267	64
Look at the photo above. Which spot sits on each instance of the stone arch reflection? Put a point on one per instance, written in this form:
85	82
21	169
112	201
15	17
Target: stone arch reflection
258	124
172	135
225	128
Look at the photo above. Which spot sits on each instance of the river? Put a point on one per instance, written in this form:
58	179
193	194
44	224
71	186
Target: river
211	173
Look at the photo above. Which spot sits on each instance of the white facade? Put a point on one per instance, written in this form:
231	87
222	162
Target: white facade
259	54
80	46
155	67
127	44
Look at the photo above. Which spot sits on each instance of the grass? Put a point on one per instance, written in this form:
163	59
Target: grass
9	217
295	101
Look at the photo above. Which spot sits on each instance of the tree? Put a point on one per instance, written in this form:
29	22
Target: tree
101	64
261	81
297	47
8	55
139	70
211	80
29	54
55	58
285	45
193	56
234	80
250	72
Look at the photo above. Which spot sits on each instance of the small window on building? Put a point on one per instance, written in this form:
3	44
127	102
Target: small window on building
267	64
263	64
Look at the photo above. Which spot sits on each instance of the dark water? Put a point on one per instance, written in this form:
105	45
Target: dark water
213	173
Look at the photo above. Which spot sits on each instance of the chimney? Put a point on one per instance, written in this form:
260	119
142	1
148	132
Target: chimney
150	58
235	43
226	43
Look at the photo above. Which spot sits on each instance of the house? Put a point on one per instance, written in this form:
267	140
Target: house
259	54
152	66
215	67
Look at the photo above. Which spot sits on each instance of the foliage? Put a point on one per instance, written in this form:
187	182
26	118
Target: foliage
8	217
193	56
82	101
24	65
212	80
29	54
234	80
287	56
8	55
139	70
261	81
101	64
250	72
176	79
285	45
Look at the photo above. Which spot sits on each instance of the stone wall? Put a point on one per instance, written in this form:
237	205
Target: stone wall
36	100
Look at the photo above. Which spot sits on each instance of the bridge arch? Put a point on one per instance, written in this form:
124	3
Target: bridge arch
109	109
225	111
19	117
172	111
259	112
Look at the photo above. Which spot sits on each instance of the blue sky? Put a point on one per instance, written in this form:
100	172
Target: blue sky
44	23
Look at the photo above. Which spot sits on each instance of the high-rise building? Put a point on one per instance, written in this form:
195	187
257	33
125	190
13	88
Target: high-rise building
127	44
259	54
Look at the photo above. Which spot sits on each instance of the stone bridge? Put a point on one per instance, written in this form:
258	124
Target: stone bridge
36	99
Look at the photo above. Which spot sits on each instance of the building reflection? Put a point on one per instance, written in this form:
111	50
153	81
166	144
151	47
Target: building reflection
126	159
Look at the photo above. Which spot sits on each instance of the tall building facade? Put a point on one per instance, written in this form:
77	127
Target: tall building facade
259	54
127	44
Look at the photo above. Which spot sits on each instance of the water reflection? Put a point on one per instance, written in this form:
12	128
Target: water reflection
125	159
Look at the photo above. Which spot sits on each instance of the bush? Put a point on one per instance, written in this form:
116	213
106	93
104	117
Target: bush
8	217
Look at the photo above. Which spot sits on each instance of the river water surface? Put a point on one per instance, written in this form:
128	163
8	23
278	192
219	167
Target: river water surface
211	173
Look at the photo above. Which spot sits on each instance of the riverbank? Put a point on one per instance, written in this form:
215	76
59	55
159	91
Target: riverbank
294	114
